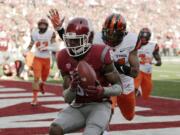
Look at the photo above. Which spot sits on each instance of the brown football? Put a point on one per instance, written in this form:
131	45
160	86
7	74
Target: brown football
87	74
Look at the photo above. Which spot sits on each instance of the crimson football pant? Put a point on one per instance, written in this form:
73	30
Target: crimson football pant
94	117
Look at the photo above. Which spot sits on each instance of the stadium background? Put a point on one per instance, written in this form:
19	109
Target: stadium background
18	18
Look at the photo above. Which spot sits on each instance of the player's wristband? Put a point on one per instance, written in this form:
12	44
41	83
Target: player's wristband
113	90
61	32
126	70
69	95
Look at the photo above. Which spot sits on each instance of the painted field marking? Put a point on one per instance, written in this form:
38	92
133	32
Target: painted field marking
22	95
165	71
3	89
163	131
164	76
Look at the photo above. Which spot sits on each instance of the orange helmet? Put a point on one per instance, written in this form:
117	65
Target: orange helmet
114	29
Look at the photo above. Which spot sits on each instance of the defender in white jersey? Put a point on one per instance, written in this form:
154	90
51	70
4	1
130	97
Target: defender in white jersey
124	53
44	41
146	53
120	55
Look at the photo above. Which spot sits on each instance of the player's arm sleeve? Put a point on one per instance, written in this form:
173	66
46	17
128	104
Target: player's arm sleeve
68	94
134	64
54	46
30	44
61	32
157	56
53	38
112	76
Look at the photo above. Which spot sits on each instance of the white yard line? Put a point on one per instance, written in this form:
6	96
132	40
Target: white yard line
6	95
162	131
163	71
53	84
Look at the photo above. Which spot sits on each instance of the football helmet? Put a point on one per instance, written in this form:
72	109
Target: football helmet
144	35
78	36
43	25
114	29
7	70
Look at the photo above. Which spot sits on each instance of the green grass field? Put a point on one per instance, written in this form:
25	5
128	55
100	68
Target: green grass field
166	79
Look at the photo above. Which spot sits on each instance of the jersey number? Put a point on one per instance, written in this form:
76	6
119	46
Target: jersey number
144	59
40	45
44	44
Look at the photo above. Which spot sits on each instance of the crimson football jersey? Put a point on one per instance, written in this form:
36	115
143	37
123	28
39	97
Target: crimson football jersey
93	57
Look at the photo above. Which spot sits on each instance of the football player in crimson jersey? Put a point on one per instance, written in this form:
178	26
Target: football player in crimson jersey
146	53
44	41
90	107
124	45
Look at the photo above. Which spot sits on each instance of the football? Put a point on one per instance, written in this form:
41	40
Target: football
87	74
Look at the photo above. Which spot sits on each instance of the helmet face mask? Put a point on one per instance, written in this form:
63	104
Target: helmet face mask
112	37
42	25
114	30
78	37
77	45
144	41
145	35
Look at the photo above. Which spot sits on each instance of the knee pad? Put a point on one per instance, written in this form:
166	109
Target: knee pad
55	129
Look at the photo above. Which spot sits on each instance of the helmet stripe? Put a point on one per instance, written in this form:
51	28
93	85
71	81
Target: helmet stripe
112	22
109	21
120	22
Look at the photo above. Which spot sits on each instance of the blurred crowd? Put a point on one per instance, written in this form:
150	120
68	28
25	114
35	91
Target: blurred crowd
19	17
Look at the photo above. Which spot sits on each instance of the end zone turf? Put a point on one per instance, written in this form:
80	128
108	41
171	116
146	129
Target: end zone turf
18	117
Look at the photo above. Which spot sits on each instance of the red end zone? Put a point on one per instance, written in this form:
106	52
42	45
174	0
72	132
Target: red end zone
18	117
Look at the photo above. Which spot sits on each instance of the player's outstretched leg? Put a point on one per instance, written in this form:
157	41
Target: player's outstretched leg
127	104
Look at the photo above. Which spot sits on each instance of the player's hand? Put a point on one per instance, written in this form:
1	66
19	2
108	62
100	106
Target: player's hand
55	18
95	91
75	79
